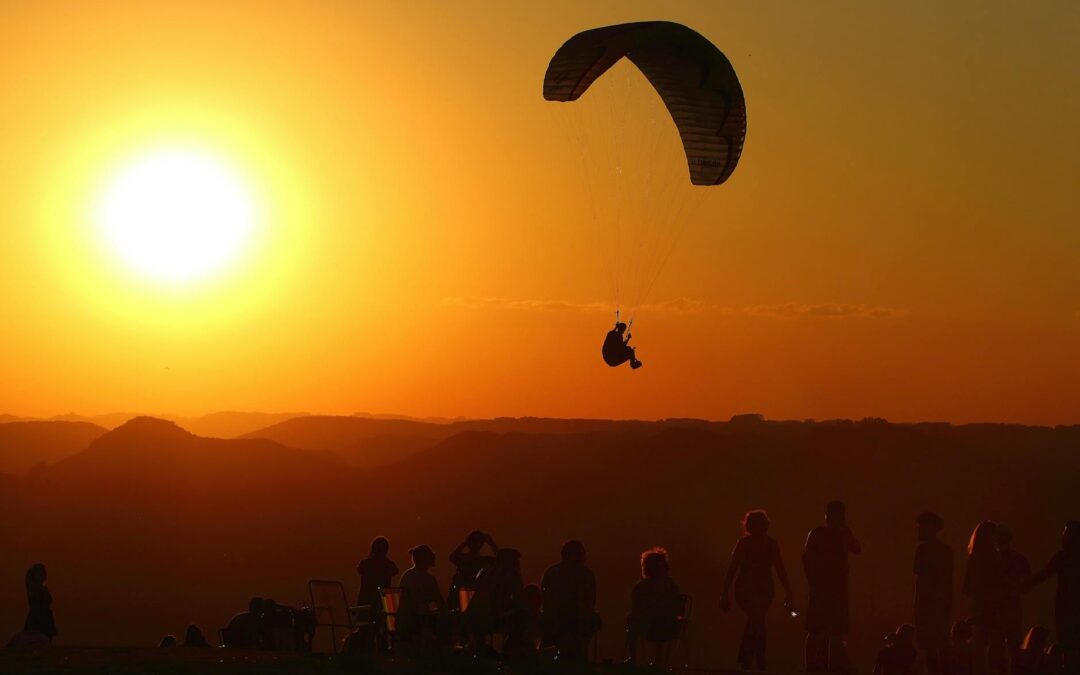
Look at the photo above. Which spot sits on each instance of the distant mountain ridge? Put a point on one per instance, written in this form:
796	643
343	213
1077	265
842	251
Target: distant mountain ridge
224	424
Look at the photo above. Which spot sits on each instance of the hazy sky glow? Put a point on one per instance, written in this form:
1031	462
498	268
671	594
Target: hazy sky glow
899	240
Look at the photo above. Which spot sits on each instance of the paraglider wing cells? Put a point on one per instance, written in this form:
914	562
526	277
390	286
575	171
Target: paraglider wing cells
694	79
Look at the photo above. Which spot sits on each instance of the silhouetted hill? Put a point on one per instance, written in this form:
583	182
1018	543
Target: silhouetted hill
26	444
392	416
226	424
107	420
373	441
154	527
147	447
230	424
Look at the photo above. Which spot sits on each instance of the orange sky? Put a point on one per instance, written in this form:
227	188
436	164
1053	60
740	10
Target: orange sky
899	239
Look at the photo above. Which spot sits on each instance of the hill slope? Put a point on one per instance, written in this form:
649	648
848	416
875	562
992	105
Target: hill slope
26	444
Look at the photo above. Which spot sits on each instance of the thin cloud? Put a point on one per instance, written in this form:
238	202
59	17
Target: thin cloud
687	305
827	309
503	304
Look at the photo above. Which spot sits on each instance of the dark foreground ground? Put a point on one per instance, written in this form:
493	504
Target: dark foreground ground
180	661
133	661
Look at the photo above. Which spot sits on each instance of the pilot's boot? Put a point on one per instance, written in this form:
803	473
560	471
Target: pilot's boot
635	364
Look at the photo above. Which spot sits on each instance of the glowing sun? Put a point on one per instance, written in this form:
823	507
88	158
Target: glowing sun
176	215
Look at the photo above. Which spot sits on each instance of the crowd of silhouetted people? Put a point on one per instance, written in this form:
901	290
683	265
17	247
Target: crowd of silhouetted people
560	615
488	609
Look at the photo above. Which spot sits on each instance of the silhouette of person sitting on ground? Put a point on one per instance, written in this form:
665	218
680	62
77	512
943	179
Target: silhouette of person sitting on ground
376	571
194	637
656	605
933	591
468	560
246	630
1017	571
39	618
570	618
422	602
984	586
617	349
1065	565
898	656
168	641
755	556
958	658
825	561
1031	658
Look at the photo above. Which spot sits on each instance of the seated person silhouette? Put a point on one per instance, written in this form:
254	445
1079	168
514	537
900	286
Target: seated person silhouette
898	656
568	589
617	349
246	630
194	637
655	609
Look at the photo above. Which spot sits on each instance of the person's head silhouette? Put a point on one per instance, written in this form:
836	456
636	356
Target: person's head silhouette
983	539
573	551
654	563
930	524
508	559
755	522
905	636
620	327
1036	639
36	576
422	556
380	546
255	606
475	540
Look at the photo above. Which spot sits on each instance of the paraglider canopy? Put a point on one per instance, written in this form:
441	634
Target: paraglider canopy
694	79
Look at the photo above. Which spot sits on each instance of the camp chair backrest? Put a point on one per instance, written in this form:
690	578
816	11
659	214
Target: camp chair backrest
390	598
330	606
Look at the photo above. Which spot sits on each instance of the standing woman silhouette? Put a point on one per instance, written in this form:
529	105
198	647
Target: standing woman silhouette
751	568
40	617
984	586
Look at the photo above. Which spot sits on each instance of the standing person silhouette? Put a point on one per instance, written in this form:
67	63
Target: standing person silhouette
753	559
934	570
39	618
376	571
1065	565
825	561
1017	572
984	585
468	561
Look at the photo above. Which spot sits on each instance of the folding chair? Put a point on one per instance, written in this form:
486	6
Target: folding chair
390	601
331	608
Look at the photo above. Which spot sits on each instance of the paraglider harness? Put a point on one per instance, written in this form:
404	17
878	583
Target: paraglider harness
629	325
